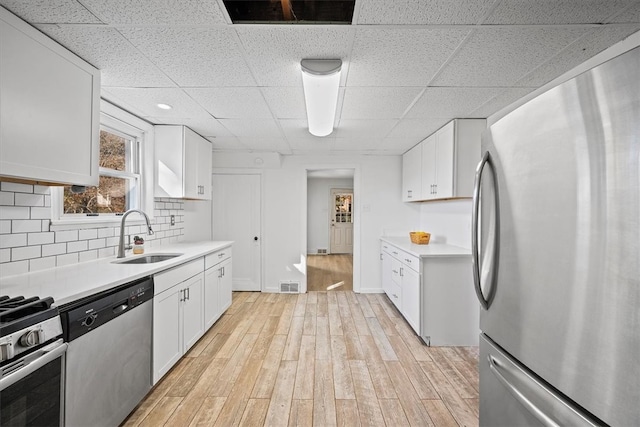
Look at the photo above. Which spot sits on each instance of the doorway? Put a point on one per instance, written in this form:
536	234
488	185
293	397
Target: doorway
330	229
237	217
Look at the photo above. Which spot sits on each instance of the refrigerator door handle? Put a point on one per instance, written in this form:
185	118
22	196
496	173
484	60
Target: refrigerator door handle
475	213
568	415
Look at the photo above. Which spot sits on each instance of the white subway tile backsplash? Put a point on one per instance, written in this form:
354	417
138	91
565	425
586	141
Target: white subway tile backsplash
40	238
40	213
88	256
7	198
26	225
67	259
14	212
97	243
66	236
27	244
5	255
13	268
15	187
91	233
37	264
41	189
54	249
26	252
106	232
13	240
113	241
81	245
23	199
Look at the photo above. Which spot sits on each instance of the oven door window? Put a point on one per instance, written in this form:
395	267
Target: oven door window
36	398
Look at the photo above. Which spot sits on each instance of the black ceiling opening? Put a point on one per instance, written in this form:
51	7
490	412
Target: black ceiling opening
290	11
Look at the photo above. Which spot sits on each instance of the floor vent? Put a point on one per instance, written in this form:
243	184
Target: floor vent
322	251
289	287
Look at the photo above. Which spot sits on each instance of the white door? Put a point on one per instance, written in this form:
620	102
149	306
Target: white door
341	211
236	216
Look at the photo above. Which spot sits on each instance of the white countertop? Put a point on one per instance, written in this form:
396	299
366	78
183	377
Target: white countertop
423	251
70	283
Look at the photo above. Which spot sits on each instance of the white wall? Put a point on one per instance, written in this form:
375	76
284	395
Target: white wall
318	195
448	222
377	207
197	220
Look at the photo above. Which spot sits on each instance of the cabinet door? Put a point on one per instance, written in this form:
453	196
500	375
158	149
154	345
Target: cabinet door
193	321
429	167
444	161
205	162
386	273
211	291
191	185
411	173
225	286
167	331
411	297
49	108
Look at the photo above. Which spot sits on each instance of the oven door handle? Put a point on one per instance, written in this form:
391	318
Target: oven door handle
34	361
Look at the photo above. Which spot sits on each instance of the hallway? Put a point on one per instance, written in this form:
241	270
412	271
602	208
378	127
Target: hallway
330	272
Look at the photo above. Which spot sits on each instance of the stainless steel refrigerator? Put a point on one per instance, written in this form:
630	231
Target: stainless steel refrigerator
556	232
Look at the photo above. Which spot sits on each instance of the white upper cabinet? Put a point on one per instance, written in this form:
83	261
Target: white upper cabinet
411	174
448	159
183	163
49	109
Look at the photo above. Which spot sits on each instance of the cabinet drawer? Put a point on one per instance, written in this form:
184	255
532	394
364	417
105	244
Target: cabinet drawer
395	295
167	279
410	261
216	257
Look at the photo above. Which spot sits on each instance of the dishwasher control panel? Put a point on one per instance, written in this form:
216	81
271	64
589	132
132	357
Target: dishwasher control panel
89	313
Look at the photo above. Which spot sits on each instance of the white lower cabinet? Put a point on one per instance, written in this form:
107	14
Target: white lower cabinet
217	285
434	293
178	320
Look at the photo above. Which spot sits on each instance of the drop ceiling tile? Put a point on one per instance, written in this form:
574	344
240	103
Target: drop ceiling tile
227	143
286	102
421	12
631	14
396	145
193	56
266	144
362	145
444	102
157	12
415	130
401	57
378	102
499	56
590	44
300	139
556	11
274	52
263	128
506	98
50	11
106	49
232	102
350	128
206	126
143	102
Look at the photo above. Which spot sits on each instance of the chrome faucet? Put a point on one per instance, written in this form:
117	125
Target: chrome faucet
124	216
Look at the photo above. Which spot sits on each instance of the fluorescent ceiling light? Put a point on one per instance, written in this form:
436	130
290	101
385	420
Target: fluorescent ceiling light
165	106
321	80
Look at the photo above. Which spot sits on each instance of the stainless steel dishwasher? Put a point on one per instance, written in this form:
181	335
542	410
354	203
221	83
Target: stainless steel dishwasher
109	355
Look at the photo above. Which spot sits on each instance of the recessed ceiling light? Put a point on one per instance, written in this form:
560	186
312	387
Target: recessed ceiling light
165	106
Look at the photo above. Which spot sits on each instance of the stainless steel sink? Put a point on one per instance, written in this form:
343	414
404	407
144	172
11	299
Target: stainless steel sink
147	259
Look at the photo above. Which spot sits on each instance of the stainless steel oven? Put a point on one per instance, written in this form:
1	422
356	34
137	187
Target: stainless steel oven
32	363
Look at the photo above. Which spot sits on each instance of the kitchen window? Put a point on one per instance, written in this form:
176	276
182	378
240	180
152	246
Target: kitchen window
122	179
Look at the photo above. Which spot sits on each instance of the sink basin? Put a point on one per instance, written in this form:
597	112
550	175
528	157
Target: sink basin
147	259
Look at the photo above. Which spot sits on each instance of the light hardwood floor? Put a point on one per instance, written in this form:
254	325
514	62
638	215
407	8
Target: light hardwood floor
328	271
321	359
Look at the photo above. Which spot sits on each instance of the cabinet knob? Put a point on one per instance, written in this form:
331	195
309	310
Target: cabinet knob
255	238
